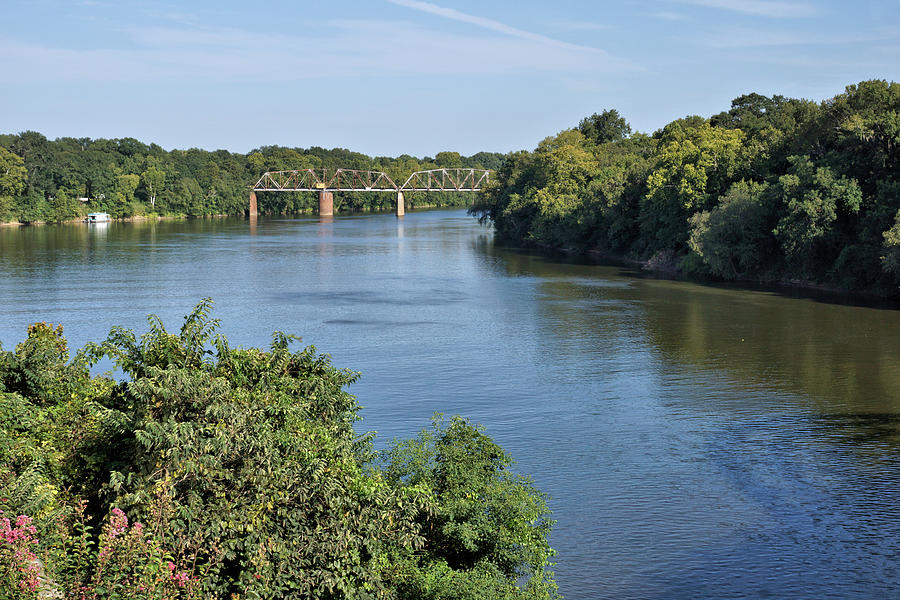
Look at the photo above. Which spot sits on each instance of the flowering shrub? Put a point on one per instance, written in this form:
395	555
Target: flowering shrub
19	567
131	563
128	563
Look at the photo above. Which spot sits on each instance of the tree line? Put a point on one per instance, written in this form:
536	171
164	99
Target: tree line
45	180
774	189
208	471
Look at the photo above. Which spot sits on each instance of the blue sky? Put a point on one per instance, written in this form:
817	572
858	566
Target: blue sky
386	77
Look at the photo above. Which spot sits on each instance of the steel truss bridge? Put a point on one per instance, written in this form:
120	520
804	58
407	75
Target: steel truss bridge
328	181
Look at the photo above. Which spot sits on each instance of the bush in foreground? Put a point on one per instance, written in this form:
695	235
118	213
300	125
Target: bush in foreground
243	478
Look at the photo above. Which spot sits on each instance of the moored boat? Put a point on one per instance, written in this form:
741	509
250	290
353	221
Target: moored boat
97	218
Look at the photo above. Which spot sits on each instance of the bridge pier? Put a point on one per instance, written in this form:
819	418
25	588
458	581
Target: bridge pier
254	209
326	203
401	209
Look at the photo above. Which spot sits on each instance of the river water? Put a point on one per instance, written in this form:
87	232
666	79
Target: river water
696	441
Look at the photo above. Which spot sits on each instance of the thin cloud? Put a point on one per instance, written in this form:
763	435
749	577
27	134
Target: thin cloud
171	13
754	38
761	8
455	15
342	49
586	26
667	16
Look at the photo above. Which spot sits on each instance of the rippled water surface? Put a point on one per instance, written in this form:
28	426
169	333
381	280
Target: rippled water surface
697	442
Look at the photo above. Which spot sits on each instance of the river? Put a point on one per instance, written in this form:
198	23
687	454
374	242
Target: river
696	441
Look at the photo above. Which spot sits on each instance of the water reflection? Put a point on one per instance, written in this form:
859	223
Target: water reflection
98	229
841	358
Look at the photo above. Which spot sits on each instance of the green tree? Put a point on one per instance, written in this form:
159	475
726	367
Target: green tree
734	239
448	159
501	202
187	198
8	208
13	176
606	127
814	200
486	529
695	164
125	187
891	257
153	180
63	207
256	455
566	167
257	163
53	423
862	128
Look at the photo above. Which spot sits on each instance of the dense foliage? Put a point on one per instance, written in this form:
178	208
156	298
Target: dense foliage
212	471
773	189
63	179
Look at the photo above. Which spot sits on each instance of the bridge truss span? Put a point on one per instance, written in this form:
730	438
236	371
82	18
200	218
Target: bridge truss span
329	180
447	180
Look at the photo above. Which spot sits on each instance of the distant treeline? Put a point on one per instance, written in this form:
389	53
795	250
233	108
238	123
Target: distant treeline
773	189
59	180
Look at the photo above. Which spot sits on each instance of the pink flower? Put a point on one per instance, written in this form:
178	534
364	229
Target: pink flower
180	579
118	523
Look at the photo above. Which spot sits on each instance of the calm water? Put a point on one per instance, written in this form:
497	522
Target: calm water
697	442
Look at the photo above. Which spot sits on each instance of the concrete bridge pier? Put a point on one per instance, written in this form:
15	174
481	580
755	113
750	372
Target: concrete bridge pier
401	210
254	208
326	203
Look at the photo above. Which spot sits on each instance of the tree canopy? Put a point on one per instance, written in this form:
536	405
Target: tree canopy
772	189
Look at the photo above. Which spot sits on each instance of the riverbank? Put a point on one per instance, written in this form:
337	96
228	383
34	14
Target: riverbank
663	269
135	218
310	211
664	266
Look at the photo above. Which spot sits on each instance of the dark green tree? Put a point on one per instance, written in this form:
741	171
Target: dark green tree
734	240
13	178
816	201
607	126
485	529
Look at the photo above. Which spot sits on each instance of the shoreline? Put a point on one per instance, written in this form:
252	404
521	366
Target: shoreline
662	269
809	288
118	219
138	218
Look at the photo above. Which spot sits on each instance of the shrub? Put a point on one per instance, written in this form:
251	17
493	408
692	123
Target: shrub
19	567
248	480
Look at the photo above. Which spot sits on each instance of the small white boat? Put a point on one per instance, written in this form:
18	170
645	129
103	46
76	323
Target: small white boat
97	218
